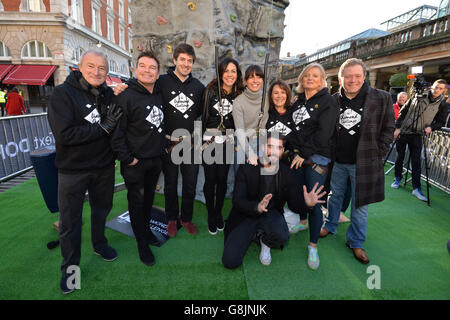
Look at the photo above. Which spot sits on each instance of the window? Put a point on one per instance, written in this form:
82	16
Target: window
121	37
121	7
77	53
36	49
110	27
129	16
76	10
4	50
110	3
35	5
96	19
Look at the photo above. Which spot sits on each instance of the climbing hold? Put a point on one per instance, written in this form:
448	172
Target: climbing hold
261	53
233	17
191	6
161	21
197	43
169	49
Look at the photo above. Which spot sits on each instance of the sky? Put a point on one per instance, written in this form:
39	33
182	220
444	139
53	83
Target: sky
316	24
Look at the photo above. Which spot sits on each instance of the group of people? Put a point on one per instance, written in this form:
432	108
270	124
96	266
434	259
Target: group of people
319	142
11	102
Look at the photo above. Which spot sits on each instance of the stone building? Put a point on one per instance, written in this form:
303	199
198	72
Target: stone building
42	40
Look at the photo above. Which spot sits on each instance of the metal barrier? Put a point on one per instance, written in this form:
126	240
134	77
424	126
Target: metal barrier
19	135
438	154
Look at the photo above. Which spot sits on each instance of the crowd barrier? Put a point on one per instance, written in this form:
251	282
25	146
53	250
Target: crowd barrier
20	135
438	146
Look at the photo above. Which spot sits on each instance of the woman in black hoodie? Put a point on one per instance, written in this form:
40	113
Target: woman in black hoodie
315	115
217	118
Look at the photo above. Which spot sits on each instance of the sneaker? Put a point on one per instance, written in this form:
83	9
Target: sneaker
419	195
219	223
396	183
265	256
212	228
313	258
172	228
63	284
146	255
301	227
190	227
107	253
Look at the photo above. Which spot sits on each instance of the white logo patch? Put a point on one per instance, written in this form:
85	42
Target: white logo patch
181	102
156	116
349	118
93	117
280	128
227	107
300	115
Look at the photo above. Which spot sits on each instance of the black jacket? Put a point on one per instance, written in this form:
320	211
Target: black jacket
314	124
140	133
74	114
247	194
182	100
211	115
282	123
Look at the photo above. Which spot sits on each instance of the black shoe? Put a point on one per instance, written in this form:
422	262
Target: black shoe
212	228
63	284
107	253
146	255
219	222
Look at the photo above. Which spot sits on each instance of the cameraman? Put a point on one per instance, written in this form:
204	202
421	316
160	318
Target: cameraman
427	115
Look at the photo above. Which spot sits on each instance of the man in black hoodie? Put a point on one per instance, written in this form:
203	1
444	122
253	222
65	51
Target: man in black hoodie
182	96
81	118
139	142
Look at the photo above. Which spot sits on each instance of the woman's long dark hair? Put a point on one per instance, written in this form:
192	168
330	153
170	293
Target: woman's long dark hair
284	86
238	86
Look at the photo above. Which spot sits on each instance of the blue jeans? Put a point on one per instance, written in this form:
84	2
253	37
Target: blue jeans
309	177
356	232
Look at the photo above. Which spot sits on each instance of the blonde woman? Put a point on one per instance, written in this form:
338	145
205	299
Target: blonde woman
315	114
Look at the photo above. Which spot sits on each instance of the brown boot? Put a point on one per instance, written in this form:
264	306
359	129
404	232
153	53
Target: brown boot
360	254
323	232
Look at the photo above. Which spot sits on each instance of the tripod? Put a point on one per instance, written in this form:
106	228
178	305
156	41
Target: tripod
413	124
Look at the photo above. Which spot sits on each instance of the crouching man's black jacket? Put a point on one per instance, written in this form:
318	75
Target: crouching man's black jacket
74	115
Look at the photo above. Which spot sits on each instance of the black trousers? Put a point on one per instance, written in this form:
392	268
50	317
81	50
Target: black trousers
215	188
141	180
275	233
189	173
414	143
71	193
2	106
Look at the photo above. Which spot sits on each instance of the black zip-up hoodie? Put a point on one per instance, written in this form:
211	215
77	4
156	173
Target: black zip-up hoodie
74	115
280	122
211	115
140	133
182	100
314	124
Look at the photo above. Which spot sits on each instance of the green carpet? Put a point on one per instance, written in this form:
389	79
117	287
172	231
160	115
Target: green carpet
405	239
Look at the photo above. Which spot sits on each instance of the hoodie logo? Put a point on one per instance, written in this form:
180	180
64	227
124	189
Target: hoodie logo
300	115
156	116
348	119
281	128
93	117
182	103
227	107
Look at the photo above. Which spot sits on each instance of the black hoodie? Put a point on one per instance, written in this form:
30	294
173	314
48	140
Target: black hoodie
182	100
140	133
74	114
314	124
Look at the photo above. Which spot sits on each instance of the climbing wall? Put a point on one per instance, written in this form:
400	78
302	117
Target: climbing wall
243	29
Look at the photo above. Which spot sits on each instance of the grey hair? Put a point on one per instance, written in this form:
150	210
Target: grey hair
306	69
97	53
350	63
402	93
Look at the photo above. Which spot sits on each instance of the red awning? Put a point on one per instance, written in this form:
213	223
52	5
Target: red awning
112	81
36	75
4	68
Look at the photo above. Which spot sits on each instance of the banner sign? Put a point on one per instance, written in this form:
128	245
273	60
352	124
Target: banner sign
19	135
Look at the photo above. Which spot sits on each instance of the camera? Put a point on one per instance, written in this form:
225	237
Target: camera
419	80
